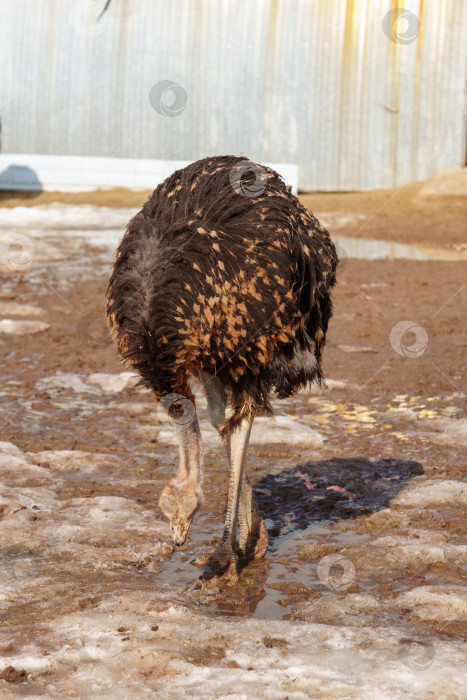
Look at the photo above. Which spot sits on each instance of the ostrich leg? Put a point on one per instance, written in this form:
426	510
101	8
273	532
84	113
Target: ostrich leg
182	495
225	556
254	538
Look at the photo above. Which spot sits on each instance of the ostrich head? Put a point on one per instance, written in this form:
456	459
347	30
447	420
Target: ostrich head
179	502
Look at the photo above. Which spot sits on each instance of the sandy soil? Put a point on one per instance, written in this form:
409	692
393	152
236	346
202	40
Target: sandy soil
362	593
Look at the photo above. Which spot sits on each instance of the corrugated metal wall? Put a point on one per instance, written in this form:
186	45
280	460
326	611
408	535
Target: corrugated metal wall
313	82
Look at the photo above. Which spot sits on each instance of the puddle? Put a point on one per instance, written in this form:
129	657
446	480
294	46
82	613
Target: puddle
372	249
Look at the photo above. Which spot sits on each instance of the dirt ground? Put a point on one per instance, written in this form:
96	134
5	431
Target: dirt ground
430	212
369	471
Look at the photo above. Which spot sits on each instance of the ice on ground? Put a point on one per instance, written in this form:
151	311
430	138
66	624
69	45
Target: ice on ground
114	382
320	389
448	432
286	430
266	431
42	528
71	461
65	380
340	608
138	408
61	216
334	384
17	468
334	220
435	602
412	553
12	327
356	348
19	250
142	647
93	384
85	613
386	519
432	492
8	308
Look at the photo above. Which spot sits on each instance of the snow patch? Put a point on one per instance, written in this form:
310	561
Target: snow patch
435	602
266	431
284	429
12	327
334	607
356	348
434	492
65	380
8	308
86	566
60	216
448	432
114	382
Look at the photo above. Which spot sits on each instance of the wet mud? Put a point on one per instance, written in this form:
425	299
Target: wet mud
361	483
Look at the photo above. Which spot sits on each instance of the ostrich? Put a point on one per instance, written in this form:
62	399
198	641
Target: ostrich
222	276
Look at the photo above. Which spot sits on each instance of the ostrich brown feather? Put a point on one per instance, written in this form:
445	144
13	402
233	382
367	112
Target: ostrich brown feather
208	278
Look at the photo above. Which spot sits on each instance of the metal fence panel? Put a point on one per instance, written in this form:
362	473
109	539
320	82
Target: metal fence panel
316	82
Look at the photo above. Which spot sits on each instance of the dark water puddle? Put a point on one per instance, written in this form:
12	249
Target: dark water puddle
335	489
300	505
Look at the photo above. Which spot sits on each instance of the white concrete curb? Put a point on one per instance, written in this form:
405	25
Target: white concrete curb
81	174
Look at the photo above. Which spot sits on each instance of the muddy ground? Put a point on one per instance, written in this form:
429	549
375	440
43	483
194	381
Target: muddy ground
362	483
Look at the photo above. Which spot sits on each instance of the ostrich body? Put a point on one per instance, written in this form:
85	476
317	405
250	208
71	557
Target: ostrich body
222	276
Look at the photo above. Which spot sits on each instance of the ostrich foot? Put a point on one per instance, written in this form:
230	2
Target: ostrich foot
222	564
254	544
204	559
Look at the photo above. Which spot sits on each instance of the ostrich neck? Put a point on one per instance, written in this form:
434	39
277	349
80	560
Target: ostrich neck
191	453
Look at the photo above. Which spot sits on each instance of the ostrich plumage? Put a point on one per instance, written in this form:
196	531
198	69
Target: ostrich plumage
222	276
